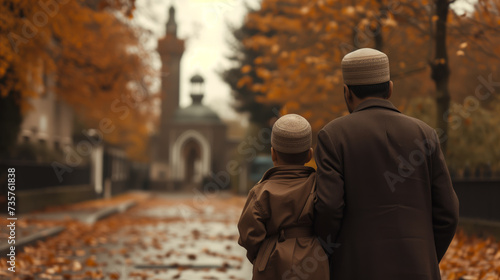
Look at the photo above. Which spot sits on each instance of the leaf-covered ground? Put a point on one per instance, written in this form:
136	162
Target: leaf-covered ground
180	237
471	258
164	237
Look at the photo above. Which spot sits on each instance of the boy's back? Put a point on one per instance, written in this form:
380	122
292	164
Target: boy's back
281	208
276	225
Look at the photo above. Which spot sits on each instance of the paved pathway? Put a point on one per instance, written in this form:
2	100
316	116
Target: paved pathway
161	237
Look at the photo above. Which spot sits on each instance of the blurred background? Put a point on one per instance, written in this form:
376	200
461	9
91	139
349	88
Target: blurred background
123	100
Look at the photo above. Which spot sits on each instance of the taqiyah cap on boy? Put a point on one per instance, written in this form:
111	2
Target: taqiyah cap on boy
291	134
365	67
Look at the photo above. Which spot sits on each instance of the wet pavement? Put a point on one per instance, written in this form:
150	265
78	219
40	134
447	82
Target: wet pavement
162	237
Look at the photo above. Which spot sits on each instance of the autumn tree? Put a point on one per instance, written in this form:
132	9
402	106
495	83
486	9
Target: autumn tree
467	37
479	28
109	60
14	72
311	37
242	77
441	69
93	54
474	130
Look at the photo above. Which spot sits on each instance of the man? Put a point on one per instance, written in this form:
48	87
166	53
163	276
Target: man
386	208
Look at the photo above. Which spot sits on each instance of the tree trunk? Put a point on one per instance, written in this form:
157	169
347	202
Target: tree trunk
378	38
441	71
10	122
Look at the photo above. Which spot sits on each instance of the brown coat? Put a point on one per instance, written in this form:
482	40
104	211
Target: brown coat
276	226
384	195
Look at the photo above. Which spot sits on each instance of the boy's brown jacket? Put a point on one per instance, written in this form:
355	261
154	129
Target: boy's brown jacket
276	226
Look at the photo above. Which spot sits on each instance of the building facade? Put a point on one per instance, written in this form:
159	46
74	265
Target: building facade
190	145
50	121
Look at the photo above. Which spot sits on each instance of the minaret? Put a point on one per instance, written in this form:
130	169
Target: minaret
170	49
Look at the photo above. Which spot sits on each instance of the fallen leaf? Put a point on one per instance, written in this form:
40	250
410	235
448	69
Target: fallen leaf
77	266
91	261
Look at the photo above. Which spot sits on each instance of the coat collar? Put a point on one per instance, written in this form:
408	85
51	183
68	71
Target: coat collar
287	172
375	102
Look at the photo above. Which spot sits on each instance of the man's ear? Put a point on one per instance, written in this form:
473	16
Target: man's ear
309	155
274	156
391	86
347	93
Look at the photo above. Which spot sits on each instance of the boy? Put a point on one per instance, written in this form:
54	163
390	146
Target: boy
276	223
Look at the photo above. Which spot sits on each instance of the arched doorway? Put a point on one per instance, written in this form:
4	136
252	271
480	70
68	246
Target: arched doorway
191	152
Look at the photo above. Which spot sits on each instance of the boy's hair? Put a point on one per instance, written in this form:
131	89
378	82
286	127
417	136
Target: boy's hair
376	90
293	159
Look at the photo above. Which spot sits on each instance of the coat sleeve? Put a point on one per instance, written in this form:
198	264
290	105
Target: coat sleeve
252	226
329	205
444	203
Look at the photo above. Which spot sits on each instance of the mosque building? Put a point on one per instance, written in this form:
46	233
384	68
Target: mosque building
191	144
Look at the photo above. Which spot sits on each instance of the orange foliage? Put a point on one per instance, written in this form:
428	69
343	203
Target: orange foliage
302	43
93	56
309	40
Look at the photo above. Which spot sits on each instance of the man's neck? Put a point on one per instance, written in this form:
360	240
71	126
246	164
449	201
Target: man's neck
356	102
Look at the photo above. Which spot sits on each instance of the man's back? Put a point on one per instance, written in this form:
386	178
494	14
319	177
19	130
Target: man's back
384	194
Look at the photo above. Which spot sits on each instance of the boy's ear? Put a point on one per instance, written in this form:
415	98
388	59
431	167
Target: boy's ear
309	155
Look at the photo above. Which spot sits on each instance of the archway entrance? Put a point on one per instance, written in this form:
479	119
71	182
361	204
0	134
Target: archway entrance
190	158
191	152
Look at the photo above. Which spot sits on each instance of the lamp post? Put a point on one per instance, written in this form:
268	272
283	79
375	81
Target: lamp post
96	156
197	88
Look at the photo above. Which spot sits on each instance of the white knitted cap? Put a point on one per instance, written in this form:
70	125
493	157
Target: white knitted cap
291	134
365	67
